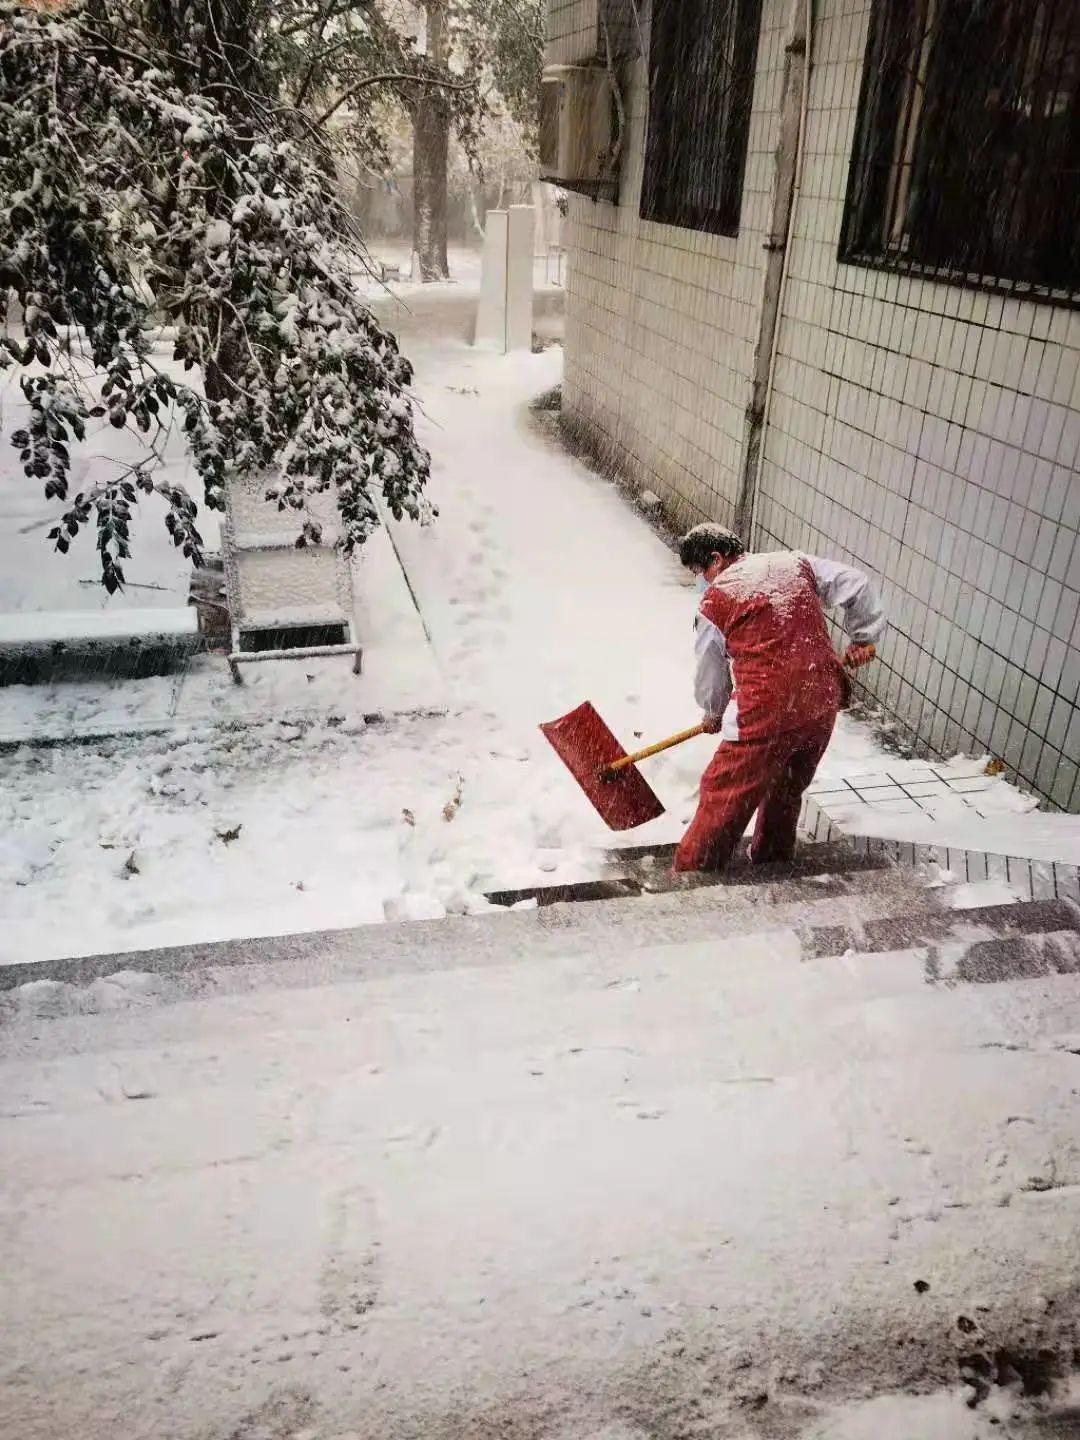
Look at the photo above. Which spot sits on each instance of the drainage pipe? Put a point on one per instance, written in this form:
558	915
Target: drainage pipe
790	156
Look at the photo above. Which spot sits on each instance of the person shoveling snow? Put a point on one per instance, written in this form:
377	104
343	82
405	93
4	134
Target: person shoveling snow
770	685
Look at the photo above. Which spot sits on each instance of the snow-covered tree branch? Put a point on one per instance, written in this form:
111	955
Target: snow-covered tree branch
137	194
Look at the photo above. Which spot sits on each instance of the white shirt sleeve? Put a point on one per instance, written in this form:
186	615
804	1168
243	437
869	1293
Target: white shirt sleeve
843	587
712	681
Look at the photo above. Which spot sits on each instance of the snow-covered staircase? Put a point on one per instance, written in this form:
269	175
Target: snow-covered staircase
832	902
726	1126
838	902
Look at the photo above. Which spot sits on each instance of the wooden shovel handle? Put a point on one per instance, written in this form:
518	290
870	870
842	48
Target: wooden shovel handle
868	653
628	760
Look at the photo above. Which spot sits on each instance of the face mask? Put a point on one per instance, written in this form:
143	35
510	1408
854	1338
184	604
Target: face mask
702	584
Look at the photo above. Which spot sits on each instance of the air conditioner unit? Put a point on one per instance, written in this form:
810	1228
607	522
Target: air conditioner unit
577	127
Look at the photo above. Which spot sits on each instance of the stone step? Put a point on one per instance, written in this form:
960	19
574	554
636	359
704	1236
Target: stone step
813	858
986	923
646	870
716	913
1010	957
886	908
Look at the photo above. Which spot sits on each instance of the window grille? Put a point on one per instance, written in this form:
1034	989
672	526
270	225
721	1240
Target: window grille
702	56
966	163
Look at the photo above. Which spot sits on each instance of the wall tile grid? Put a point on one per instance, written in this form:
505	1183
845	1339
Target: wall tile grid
931	433
571	29
927	432
662	322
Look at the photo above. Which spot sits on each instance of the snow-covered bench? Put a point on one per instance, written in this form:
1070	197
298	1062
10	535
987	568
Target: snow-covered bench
34	644
298	632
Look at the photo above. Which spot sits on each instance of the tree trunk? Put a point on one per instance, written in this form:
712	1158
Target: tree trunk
431	149
431	143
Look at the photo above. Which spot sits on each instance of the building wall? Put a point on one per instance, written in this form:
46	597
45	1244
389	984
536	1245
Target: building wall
661	322
927	432
571	30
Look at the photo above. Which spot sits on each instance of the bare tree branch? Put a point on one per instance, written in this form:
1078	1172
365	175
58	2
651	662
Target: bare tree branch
313	66
391	79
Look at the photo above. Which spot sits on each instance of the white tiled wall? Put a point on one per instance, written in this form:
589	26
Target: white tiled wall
928	432
661	322
572	31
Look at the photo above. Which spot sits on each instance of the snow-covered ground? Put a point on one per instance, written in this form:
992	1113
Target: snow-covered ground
33	577
546	1181
583	1180
275	807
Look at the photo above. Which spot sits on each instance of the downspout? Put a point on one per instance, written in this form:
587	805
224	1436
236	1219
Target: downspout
615	158
795	105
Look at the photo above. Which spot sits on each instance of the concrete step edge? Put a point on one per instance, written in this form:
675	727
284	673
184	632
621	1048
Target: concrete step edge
1007	957
643	869
881	933
458	940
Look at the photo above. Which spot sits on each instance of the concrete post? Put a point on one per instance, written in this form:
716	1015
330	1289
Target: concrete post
504	316
520	250
491	310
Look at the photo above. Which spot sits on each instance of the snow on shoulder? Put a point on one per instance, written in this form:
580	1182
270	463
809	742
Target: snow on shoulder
776	576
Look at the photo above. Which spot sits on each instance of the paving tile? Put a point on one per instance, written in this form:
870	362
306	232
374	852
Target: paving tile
969	784
930	793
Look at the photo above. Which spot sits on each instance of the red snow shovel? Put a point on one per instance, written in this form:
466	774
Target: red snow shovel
603	769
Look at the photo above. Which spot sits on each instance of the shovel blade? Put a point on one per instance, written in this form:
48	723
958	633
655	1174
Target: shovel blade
586	746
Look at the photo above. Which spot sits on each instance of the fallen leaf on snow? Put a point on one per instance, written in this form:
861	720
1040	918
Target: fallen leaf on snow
453	805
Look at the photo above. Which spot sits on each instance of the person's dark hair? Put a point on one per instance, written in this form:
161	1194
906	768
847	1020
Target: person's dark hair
699	545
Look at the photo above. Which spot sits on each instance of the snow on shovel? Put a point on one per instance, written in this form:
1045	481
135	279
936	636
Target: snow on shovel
607	774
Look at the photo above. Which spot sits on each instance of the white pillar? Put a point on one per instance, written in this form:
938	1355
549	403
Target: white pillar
520	245
491	311
504	316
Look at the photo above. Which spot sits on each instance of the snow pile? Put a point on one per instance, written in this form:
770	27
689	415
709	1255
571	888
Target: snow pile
964	896
944	1415
33	578
120	991
260	829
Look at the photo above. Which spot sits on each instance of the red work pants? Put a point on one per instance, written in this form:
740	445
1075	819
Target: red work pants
768	776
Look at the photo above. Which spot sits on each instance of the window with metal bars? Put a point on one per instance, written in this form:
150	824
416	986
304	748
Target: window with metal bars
702	55
967	151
